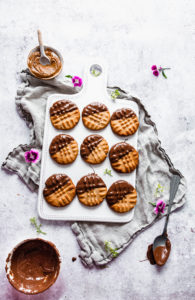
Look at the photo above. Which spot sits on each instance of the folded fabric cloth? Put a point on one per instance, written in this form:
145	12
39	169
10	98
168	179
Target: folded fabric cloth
97	240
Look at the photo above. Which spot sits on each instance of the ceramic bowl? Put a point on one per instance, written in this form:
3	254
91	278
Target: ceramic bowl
45	48
33	266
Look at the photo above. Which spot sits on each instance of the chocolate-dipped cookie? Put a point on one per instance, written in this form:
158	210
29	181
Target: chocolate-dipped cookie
64	114
121	196
63	149
95	116
94	149
59	190
91	190
124	122
123	157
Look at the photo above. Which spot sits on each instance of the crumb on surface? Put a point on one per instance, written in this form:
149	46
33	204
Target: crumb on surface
74	258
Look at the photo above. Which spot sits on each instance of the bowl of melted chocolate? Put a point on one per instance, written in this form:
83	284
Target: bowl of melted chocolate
33	266
45	72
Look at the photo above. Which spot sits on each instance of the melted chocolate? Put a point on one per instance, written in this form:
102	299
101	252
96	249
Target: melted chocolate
150	255
161	253
122	113
55	182
89	182
119	150
59	142
62	107
34	266
94	108
89	144
118	191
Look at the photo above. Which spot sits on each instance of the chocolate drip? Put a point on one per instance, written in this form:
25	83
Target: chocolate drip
94	108
59	142
150	255
55	182
89	182
122	113
62	107
118	191
119	150
89	144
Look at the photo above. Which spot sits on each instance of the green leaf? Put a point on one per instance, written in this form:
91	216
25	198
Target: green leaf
108	248
68	76
163	73
108	172
152	203
159	190
37	227
95	72
115	94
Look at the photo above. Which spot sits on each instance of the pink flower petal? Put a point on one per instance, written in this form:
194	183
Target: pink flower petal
160	207
77	81
32	156
154	67
156	73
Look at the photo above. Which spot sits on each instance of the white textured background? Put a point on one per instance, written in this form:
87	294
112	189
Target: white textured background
131	35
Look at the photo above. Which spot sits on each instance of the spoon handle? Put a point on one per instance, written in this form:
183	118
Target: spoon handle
40	43
175	180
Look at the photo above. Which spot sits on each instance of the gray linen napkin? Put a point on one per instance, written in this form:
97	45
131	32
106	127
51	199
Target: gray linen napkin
155	166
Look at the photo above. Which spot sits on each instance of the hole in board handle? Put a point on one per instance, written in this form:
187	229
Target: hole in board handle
95	70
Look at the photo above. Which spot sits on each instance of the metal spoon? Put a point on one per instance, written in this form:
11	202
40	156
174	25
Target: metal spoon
44	59
161	239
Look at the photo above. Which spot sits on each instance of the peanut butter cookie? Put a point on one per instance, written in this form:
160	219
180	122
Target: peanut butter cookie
121	196
124	122
91	190
123	157
59	190
95	116
63	149
94	149
64	114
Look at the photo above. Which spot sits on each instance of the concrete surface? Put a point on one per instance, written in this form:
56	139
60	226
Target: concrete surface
131	35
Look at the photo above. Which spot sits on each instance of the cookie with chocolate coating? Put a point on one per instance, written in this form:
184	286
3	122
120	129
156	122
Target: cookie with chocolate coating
63	149
64	114
59	190
95	116
123	157
94	149
121	196
91	190
124	122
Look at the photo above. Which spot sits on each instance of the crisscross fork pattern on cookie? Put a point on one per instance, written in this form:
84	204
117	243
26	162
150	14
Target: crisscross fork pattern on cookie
67	120
97	121
125	126
63	196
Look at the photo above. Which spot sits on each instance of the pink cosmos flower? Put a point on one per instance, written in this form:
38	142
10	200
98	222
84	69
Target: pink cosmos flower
160	207
156	73
32	156
77	81
154	67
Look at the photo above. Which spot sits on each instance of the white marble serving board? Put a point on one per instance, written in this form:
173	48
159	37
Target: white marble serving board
94	89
